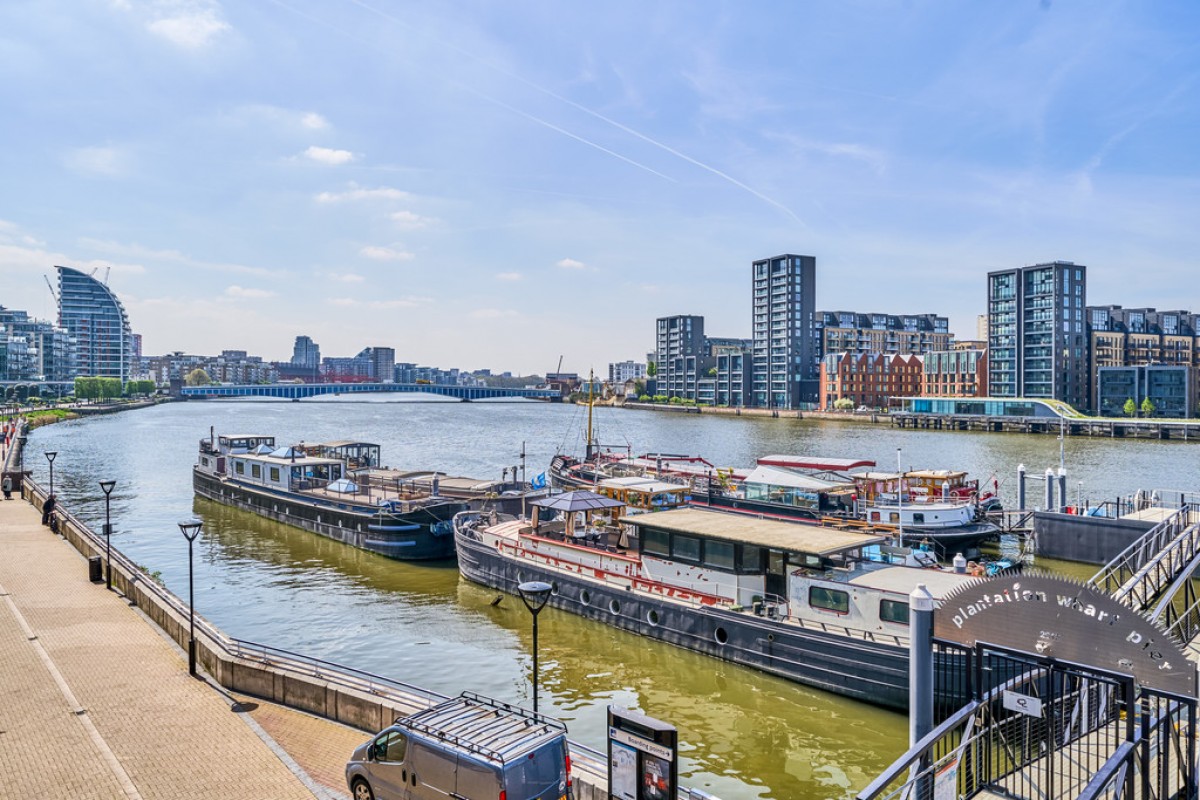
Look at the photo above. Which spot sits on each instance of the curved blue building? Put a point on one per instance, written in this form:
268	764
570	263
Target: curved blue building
93	315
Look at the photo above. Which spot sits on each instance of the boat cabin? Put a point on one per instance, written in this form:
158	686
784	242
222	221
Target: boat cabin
644	494
287	469
921	516
795	488
357	455
243	442
805	573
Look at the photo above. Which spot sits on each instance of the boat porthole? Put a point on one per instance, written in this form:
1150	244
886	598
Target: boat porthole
770	637
585	597
614	606
652	617
554	587
721	636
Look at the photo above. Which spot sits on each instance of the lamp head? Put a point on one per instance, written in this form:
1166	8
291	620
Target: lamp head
190	528
51	455
107	486
535	594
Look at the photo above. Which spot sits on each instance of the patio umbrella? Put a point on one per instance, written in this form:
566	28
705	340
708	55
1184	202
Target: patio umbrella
579	500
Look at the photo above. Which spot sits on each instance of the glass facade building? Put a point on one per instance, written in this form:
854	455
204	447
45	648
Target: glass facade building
1036	335
785	363
94	317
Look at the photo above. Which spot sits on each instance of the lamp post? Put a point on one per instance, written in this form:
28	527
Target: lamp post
191	529
534	595
107	486
50	456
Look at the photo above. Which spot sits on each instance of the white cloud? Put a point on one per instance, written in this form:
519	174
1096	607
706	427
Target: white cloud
105	161
399	302
410	221
346	277
570	263
135	250
314	121
326	155
187	24
356	192
509	276
242	293
385	254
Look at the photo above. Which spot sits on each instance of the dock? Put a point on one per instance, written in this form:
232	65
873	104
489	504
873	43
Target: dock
1177	429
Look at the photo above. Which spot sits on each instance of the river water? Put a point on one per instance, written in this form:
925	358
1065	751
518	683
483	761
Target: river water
743	734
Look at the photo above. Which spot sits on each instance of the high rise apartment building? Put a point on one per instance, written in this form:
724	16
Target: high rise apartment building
306	353
94	317
681	355
383	364
785	364
1037	345
890	334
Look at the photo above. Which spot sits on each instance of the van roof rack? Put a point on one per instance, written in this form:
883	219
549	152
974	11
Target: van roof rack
481	725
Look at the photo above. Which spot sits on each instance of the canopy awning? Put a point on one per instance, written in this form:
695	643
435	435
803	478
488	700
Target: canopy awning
580	500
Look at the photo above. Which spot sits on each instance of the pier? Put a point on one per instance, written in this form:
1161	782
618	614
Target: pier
1112	428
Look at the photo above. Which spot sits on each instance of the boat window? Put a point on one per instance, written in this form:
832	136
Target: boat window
656	542
275	474
239	467
718	554
751	561
894	516
256	470
829	599
685	548
893	611
874	516
918	518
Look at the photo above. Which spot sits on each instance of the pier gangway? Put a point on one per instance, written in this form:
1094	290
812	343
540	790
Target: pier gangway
1039	729
1140	574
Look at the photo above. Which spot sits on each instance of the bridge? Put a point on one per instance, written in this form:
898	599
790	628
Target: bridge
300	391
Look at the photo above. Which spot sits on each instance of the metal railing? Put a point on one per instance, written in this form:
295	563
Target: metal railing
1144	560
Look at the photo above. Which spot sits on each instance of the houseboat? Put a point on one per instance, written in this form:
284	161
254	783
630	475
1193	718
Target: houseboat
803	602
313	487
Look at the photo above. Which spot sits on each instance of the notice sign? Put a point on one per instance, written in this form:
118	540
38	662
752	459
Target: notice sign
945	782
1023	703
642	757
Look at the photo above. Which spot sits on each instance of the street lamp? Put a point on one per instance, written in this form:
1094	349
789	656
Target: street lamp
191	529
534	595
107	486
50	456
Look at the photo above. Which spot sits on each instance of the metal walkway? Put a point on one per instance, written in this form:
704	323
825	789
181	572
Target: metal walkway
1142	572
300	391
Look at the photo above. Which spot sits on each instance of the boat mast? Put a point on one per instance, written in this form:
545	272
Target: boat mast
900	496
590	450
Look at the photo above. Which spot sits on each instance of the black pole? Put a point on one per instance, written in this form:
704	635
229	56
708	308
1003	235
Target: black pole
107	543
535	662
191	616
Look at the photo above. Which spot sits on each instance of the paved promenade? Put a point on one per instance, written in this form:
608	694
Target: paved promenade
96	703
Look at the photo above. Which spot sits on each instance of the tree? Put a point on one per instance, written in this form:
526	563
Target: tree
639	388
1130	407
197	377
843	404
712	372
651	369
1148	407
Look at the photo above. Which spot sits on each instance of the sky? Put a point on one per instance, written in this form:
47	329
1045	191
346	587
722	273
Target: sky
504	184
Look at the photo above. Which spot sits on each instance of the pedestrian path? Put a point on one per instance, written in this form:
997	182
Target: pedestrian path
95	703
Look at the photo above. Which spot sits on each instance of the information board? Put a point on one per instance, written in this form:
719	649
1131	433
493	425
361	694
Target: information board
642	757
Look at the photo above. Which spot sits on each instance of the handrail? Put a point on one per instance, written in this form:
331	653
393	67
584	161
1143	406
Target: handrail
917	751
1142	550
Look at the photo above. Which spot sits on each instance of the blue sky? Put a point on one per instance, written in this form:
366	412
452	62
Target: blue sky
496	184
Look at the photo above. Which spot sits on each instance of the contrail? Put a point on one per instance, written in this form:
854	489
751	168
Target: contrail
585	110
484	96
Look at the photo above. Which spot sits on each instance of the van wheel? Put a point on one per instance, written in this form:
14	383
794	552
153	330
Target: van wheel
362	790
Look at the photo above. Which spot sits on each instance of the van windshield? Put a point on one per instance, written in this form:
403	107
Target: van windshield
529	777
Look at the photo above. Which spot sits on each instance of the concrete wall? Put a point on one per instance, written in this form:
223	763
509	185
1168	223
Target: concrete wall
1092	540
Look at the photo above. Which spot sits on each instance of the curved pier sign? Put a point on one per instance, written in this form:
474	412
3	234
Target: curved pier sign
1059	619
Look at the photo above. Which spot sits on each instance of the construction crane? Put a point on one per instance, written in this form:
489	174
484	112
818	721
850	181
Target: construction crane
50	286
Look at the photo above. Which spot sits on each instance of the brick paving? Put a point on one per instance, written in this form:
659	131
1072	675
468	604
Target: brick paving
147	729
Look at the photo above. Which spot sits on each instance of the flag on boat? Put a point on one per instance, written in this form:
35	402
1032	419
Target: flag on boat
538	482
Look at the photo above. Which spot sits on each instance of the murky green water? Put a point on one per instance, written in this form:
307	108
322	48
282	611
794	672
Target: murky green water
745	734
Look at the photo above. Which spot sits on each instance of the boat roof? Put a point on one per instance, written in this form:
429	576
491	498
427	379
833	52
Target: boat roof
777	476
936	474
343	443
791	536
299	460
903	580
814	462
647	485
244	436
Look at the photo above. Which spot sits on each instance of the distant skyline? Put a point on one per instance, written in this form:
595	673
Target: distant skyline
493	185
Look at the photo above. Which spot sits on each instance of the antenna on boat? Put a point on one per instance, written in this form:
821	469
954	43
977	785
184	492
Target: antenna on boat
900	497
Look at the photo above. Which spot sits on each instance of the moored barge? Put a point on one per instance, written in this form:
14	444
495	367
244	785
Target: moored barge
803	602
312	487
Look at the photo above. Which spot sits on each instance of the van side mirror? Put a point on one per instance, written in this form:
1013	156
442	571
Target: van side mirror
371	752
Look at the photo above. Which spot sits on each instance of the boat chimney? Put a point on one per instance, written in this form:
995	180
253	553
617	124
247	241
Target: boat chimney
1049	489
1020	487
960	564
945	490
434	491
1062	488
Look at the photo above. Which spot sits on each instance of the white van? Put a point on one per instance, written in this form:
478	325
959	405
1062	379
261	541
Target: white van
467	748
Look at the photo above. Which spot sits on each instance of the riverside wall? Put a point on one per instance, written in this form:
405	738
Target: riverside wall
351	697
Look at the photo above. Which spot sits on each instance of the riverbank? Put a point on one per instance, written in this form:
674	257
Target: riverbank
859	417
